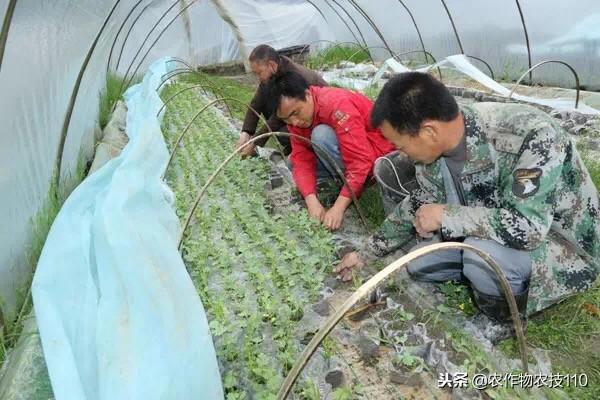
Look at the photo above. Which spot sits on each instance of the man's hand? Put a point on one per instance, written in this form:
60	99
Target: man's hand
315	209
428	219
335	215
349	262
247	150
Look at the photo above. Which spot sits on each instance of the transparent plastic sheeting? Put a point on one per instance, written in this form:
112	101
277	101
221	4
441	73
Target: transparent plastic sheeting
280	23
461	63
118	315
47	42
46	46
488	29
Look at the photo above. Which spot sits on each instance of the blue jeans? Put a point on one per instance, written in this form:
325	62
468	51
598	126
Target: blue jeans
452	264
324	137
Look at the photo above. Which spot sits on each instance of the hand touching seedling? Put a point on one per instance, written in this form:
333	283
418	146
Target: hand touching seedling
346	266
247	150
332	218
314	207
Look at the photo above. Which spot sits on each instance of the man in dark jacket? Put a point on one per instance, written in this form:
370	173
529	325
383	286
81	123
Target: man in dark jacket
265	62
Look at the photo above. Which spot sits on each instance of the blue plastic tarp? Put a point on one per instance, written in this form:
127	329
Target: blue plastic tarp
119	317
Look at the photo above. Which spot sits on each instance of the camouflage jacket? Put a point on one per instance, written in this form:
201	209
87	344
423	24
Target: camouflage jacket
524	186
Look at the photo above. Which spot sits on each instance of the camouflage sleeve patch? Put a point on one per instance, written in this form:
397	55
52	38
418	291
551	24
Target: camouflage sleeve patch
526	182
526	197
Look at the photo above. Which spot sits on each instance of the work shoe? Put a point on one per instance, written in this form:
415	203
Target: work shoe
494	321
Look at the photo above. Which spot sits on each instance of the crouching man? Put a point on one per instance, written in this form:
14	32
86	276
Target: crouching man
337	121
504	178
265	63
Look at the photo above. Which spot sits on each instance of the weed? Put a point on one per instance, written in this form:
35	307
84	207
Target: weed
310	390
459	297
571	333
593	167
110	95
371	205
11	330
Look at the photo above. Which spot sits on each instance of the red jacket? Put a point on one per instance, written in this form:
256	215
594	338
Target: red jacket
348	113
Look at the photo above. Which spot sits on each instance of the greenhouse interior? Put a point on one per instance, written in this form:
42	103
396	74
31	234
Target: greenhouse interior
298	199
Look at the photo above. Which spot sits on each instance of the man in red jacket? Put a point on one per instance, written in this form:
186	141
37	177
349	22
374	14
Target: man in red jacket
338	120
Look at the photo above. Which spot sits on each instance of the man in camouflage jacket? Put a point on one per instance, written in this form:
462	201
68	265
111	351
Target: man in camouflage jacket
523	194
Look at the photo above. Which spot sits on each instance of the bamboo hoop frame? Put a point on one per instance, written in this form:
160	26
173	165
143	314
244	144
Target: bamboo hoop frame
372	283
548	62
238	150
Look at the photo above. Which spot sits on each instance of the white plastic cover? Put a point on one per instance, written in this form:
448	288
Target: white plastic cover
115	306
280	23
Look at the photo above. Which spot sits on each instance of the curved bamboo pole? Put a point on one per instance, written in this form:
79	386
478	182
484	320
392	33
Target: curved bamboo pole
462	51
370	22
318	10
112	47
137	53
73	98
184	9
416	26
183	132
190	214
483	61
217	91
172	74
426	54
181	61
547	62
372	283
351	19
129	33
526	40
10	10
343	21
177	94
368	51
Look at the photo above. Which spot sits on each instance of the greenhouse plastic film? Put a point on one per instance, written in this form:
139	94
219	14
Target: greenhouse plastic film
38	72
461	63
279	23
118	315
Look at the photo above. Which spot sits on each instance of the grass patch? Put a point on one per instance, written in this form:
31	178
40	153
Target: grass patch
111	94
372	207
593	167
570	331
223	87
108	98
459	297
12	325
333	55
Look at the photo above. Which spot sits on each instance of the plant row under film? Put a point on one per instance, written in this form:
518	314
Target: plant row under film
255	271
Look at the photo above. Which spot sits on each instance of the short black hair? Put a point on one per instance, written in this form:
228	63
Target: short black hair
289	84
263	53
410	98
